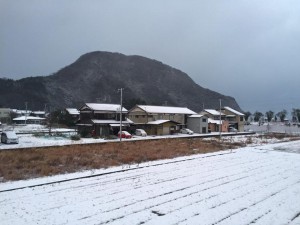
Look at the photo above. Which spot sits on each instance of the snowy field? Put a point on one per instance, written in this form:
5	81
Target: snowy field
252	185
29	140
273	127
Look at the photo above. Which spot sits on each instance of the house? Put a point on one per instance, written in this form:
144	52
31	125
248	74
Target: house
160	127
141	114
71	115
198	123
101	119
214	125
235	118
21	112
146	117
216	120
29	120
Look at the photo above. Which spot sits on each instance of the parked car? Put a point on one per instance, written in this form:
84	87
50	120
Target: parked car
125	134
186	131
232	129
9	137
140	132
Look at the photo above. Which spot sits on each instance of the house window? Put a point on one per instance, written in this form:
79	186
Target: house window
136	116
204	120
241	118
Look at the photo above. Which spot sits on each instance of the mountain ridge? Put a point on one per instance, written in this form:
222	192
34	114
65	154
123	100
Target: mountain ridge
97	76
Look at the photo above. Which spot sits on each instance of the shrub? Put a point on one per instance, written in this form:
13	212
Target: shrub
75	137
38	134
85	134
96	137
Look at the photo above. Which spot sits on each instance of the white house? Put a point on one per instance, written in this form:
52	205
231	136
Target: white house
28	120
198	123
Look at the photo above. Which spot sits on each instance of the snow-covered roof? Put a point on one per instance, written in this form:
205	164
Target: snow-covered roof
215	121
21	118
213	112
166	109
196	116
22	111
129	121
72	111
230	115
109	122
38	112
233	111
157	122
106	107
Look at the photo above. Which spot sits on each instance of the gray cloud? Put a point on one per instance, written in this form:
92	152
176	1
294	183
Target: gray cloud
247	49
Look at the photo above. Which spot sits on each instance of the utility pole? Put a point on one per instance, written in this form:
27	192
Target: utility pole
121	104
220	127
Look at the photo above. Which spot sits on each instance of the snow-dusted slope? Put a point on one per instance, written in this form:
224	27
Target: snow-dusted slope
246	186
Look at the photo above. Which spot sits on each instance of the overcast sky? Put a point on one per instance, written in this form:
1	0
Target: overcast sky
249	50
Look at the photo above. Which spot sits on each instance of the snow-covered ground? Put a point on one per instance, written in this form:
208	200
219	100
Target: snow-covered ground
252	185
273	127
28	140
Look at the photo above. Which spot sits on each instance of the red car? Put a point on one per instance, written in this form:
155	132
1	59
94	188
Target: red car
125	134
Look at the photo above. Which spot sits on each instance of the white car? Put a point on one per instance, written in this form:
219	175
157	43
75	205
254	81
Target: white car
186	131
140	132
9	137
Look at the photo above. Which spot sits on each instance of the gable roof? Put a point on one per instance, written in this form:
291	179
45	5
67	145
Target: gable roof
39	112
105	107
158	122
197	116
166	109
213	112
72	111
215	121
233	111
109	121
21	118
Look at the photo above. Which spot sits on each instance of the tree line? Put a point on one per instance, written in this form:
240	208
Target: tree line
270	115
